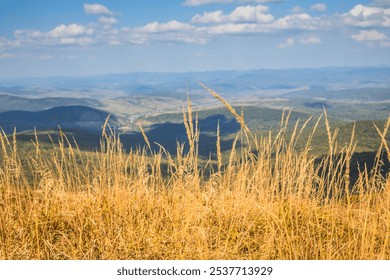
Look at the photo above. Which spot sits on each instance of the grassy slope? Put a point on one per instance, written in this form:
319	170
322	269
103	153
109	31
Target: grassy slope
268	203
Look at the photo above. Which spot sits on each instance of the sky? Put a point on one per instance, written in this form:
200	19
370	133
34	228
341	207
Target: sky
81	38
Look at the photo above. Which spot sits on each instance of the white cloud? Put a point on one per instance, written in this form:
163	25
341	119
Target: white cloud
209	17
364	16
239	21
155	27
257	13
364	11
60	35
299	22
251	14
68	30
168	33
205	2
287	44
310	41
320	7
97	9
247	20
369	35
107	20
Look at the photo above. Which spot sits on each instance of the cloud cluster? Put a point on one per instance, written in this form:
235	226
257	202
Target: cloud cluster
363	24
71	34
97	9
366	16
62	35
257	13
72	30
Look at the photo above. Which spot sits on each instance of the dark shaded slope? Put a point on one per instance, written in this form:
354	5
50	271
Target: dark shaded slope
168	134
65	117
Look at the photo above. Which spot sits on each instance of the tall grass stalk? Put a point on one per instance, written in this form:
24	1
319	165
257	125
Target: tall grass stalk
273	202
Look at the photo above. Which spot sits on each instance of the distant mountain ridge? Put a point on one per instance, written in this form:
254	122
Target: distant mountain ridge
64	116
12	102
350	77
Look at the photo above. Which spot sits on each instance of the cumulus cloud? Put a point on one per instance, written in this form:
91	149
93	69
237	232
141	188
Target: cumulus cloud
364	11
365	16
170	26
69	30
369	35
209	17
61	35
320	7
257	13
287	44
107	20
310	41
299	22
169	32
97	9
254	20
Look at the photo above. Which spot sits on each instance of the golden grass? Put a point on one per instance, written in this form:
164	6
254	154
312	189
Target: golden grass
269	203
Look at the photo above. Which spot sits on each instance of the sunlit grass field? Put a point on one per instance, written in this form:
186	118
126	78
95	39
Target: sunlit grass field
262	200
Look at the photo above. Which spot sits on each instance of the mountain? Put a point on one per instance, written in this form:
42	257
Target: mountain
359	94
341	77
65	116
13	102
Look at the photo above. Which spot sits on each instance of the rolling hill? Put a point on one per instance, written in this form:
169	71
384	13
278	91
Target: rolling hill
13	102
84	117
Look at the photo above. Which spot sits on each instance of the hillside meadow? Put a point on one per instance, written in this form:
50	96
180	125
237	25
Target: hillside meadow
263	200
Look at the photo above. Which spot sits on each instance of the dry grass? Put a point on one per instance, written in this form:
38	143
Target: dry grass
270	202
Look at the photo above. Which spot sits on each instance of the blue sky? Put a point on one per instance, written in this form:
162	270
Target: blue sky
49	38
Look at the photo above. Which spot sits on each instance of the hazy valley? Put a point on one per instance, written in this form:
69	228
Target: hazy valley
155	101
